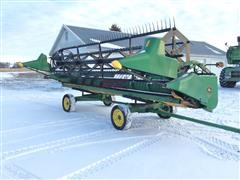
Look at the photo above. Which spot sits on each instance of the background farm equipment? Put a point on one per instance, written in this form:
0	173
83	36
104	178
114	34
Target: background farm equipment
157	75
231	75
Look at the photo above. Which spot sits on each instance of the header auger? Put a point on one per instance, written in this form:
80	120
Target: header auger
157	75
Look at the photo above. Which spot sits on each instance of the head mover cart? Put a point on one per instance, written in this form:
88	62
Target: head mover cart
156	75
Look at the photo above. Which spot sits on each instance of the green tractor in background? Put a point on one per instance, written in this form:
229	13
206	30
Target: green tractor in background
229	76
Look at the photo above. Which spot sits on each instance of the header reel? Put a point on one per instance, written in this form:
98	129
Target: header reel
96	55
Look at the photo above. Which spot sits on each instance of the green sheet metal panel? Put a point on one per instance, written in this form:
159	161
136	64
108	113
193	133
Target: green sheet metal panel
232	74
201	87
136	94
233	55
40	64
153	60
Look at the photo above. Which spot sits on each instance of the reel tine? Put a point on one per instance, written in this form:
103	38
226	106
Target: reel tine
129	30
153	26
133	30
170	23
146	28
174	25
139	28
136	30
150	30
157	26
143	28
165	23
123	33
161	24
128	33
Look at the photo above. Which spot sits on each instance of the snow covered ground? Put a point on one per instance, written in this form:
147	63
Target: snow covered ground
41	141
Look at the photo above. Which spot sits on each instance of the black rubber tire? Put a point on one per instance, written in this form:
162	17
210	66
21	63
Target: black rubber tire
167	109
108	101
123	116
223	83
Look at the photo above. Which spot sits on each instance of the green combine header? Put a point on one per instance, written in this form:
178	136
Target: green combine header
157	75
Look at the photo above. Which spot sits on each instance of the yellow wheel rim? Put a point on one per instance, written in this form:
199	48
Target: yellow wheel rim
118	118
66	103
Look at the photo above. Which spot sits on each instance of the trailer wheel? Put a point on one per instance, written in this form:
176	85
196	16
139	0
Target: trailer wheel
168	109
118	117
68	102
107	101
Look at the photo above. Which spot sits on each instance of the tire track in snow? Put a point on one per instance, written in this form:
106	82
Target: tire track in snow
100	139
49	145
210	144
112	158
205	139
44	125
219	149
77	125
57	144
13	171
104	141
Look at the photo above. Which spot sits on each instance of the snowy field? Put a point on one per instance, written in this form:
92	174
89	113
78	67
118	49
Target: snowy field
41	141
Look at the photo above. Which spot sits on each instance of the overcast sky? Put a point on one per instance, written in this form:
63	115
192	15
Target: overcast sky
29	28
